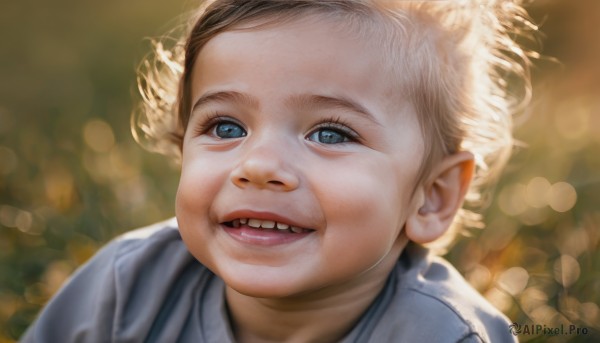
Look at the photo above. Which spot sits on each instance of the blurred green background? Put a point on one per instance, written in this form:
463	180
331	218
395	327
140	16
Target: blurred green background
71	176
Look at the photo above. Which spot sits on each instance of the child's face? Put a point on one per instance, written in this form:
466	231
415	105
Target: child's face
297	124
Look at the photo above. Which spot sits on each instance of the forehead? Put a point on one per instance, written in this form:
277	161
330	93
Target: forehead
311	53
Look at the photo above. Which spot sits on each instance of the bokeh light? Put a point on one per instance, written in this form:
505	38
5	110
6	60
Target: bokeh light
562	197
536	194
566	270
513	280
98	135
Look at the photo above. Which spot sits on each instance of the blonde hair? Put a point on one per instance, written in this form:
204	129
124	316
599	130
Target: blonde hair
459	62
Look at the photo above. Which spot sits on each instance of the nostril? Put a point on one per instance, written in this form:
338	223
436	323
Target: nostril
271	182
263	175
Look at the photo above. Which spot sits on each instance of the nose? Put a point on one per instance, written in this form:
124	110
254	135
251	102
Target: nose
265	168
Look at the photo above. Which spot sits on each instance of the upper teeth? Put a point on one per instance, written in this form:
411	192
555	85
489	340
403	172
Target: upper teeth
268	224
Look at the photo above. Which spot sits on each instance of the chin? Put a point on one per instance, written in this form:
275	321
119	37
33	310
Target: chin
262	292
259	285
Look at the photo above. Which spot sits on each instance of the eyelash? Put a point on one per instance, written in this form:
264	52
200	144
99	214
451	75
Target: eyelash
210	122
339	125
333	123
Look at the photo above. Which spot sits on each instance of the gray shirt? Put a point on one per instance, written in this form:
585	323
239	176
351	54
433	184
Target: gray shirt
145	286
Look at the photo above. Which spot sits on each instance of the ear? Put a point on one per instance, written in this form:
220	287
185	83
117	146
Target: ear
440	197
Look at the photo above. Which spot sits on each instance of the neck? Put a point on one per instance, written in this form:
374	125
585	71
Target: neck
325	315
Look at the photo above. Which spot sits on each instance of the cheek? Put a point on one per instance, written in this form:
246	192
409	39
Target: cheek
376	186
196	185
365	207
199	184
203	174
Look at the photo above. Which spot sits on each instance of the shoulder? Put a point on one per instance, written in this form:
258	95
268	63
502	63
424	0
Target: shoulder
143	255
108	296
155	245
433	301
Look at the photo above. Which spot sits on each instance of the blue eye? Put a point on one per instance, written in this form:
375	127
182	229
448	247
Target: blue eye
228	130
328	136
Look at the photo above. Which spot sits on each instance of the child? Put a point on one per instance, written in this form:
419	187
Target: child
323	143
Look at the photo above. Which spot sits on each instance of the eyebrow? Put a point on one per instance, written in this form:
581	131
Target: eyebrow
305	101
315	101
224	97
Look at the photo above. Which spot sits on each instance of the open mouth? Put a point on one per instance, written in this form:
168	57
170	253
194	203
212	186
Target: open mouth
270	225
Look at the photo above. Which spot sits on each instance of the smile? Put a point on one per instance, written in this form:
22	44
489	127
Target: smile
265	224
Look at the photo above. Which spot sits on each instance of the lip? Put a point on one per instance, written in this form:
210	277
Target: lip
263	237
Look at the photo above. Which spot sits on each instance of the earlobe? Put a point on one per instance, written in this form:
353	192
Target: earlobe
440	198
